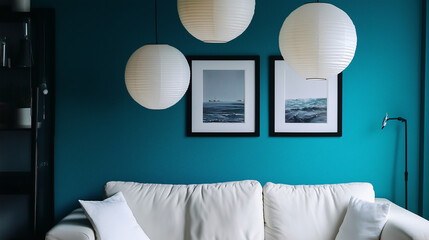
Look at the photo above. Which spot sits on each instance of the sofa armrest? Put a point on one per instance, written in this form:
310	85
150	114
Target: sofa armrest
75	226
404	225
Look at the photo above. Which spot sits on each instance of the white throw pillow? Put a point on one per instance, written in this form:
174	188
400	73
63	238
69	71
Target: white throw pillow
364	220
112	219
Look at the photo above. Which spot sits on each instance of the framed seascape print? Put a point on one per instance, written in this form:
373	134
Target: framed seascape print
300	107
224	96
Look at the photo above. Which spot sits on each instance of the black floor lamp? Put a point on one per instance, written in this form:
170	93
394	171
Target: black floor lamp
386	118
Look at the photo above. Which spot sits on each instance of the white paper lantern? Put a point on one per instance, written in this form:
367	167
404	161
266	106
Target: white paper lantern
216	21
318	40
157	76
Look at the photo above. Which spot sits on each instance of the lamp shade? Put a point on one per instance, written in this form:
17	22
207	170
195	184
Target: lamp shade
157	76
318	40
216	21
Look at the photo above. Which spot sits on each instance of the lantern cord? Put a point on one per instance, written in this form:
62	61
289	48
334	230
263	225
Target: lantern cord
156	21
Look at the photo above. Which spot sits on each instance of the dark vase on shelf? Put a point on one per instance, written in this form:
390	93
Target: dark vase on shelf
25	58
3	52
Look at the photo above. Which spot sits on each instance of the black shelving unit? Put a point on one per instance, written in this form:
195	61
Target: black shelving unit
26	143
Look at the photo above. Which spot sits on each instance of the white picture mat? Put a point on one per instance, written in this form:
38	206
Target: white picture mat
282	72
198	66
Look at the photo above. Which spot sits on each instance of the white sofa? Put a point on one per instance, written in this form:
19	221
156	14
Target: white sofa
242	211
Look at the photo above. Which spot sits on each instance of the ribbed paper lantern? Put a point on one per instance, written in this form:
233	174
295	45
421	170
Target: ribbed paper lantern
216	21
318	40
157	76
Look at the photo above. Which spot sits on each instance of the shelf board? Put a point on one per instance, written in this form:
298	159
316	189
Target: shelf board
15	129
15	68
16	182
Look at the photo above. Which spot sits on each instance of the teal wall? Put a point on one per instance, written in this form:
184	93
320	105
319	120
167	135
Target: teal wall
425	145
102	134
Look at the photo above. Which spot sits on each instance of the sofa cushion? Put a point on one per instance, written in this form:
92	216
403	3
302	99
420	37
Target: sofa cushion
226	211
309	211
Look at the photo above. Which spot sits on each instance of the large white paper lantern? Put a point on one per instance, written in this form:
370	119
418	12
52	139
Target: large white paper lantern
216	21
157	76
318	40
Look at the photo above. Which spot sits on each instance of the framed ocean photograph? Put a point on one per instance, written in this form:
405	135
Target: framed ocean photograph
300	107
224	96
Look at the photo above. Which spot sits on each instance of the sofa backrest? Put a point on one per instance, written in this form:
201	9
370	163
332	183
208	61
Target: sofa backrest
309	212
223	211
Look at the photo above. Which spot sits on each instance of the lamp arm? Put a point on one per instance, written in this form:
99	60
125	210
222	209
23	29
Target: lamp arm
398	118
402	119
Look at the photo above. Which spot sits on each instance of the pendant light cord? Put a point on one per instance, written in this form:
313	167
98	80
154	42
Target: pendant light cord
156	21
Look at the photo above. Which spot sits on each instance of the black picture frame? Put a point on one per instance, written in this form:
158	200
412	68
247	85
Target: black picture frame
191	115
272	125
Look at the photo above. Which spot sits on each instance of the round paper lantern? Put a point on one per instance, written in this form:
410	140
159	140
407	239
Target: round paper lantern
157	76
216	21
318	40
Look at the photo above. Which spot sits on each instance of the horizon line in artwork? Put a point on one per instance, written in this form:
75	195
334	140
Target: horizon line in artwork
216	100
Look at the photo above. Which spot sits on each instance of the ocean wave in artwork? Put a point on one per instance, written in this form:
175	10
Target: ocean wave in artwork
223	112
308	110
